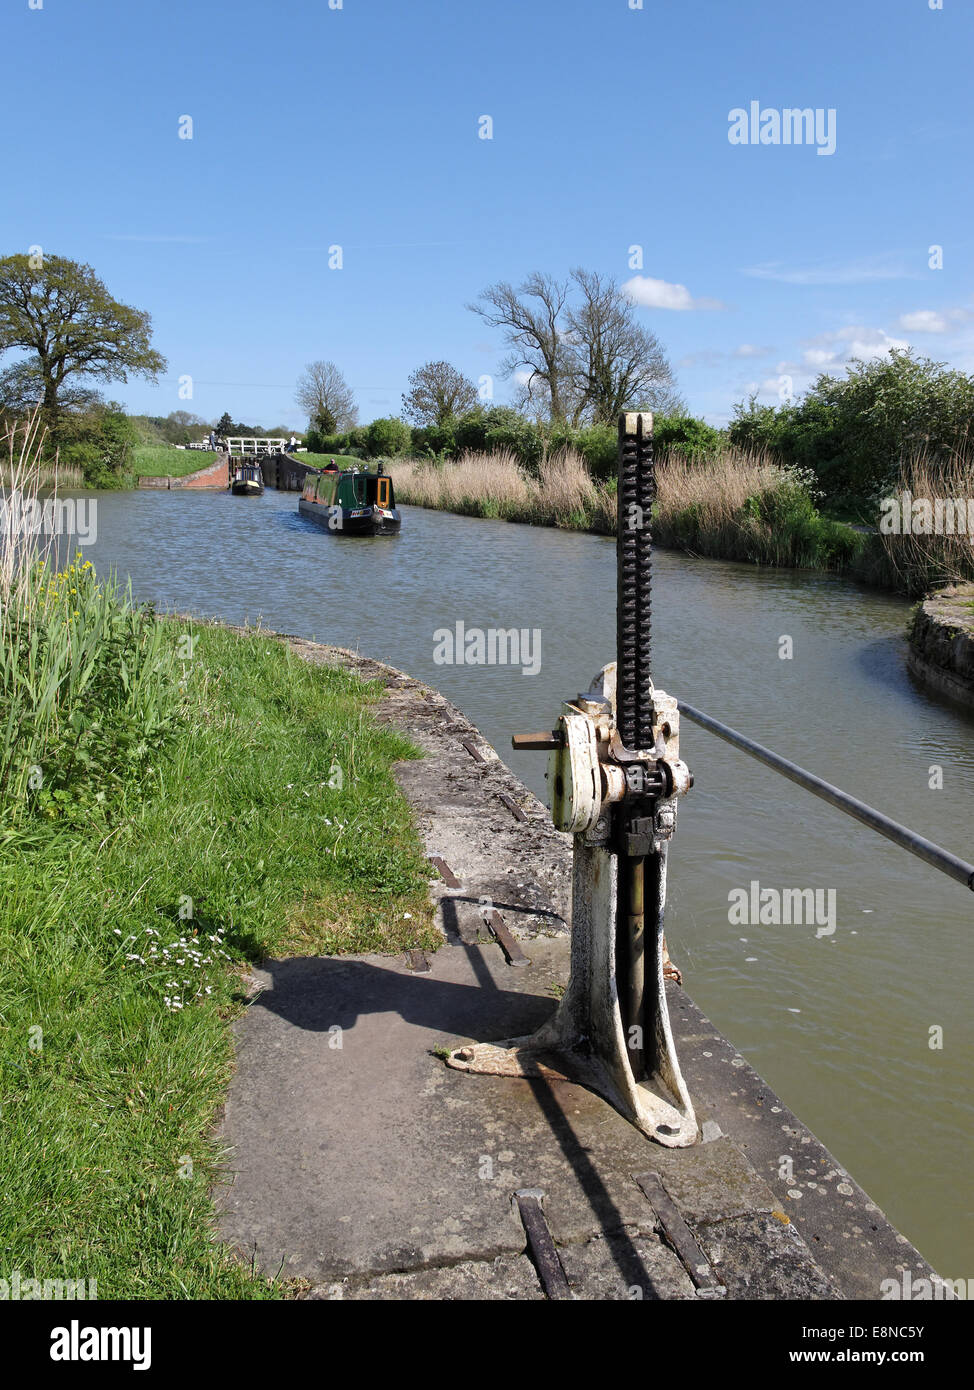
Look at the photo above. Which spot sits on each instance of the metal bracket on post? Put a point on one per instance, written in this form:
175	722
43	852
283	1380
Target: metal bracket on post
615	777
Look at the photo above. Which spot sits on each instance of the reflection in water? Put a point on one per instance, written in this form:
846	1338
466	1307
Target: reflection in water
838	1024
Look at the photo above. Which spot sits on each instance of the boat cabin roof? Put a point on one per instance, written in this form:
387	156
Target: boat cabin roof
352	486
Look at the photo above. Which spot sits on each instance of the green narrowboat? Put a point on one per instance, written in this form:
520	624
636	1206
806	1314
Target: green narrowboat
351	502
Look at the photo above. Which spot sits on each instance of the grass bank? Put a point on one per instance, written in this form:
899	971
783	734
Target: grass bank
240	803
165	460
342	460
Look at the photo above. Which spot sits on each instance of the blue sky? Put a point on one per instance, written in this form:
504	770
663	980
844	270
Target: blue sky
358	127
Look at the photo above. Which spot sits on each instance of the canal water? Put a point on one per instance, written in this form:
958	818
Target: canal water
840	1022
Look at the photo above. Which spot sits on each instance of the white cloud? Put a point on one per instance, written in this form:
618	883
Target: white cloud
923	321
853	341
749	350
934	320
660	294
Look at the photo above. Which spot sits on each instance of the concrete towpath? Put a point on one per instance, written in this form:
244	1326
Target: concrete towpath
363	1165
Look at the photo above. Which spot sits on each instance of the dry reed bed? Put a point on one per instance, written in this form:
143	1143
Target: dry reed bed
564	494
735	505
919	562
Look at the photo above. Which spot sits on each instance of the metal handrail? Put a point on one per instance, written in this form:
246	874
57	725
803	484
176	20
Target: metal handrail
950	864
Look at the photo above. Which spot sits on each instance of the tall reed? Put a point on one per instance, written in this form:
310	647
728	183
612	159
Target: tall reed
732	505
495	485
89	682
938	492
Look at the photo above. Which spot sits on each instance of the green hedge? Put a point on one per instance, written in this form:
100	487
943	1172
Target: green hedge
489	429
855	432
100	442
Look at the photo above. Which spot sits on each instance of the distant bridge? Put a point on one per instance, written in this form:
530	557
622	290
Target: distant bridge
238	444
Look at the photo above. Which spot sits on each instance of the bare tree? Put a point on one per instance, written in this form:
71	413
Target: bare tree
438	391
582	360
531	319
616	364
325	394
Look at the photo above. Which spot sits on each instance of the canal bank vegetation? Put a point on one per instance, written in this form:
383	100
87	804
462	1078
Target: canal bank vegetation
74	335
165	461
925	540
733	505
175	802
803	484
324	460
858	432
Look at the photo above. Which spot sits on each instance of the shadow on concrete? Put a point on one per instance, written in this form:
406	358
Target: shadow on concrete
514	909
317	993
578	1155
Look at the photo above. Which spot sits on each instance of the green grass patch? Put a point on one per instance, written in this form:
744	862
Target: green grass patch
165	460
342	460
270	825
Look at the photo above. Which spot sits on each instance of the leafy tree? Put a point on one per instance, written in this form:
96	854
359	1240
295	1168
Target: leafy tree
470	431
599	447
182	427
225	426
326	396
60	313
22	390
324	421
437	393
686	434
100	443
509	429
757	426
436	441
880	414
178	427
856	431
387	436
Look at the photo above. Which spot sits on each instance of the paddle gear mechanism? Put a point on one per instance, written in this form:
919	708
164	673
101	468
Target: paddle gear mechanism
614	778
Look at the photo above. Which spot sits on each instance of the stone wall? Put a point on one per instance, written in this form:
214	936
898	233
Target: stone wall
942	643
